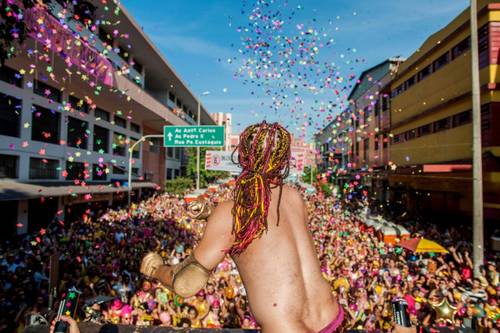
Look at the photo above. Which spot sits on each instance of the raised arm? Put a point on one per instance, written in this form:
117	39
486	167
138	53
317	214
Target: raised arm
189	276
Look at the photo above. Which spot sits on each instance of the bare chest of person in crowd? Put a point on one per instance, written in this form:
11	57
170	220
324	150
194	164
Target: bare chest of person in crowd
281	271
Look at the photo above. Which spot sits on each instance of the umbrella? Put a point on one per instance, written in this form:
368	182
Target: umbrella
422	245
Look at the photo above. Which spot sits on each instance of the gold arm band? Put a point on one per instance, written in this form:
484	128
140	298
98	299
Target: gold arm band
188	277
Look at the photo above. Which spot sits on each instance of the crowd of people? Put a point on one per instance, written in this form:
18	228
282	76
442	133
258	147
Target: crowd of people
100	256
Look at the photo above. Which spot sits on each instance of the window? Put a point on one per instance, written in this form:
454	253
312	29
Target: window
78	105
171	100
396	138
386	141
77	133
154	145
441	61
43	89
118	144
101	114
135	172
366	147
75	170
177	153
135	128
99	172
179	103
460	48
462	118
137	66
442	124
485	117
410	135
398	90
424	130
424	73
11	76
376	143
137	149
8	166
366	114
169	174
10	115
170	152
43	168
105	37
45	125
484	45
101	139
120	122
410	82
124	54
385	102
377	109
118	170
357	148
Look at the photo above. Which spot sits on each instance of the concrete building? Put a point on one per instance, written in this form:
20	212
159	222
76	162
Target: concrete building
65	131
369	109
224	119
431	120
355	144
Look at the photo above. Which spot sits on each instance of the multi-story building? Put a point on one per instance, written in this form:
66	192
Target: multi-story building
431	119
73	102
224	119
369	109
355	143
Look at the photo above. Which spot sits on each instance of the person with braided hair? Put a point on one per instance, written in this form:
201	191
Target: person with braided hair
265	230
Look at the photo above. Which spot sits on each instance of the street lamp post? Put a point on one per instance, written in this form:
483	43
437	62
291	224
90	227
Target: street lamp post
477	161
130	150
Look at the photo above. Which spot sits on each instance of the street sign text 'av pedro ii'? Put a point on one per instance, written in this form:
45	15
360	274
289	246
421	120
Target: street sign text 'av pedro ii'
193	136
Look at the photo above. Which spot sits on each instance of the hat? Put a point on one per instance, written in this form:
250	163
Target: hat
117	304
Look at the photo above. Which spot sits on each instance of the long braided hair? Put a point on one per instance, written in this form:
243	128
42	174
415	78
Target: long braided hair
264	156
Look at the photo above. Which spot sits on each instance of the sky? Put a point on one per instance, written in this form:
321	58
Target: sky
201	39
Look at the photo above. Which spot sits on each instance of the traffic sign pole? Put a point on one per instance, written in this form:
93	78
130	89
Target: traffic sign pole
130	150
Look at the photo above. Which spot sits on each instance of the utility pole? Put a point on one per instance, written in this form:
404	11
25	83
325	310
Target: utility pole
477	160
130	151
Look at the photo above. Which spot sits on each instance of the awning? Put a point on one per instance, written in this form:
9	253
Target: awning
12	190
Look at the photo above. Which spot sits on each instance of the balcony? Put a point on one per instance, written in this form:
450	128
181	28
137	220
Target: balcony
58	12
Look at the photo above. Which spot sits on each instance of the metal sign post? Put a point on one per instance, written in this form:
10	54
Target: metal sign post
130	150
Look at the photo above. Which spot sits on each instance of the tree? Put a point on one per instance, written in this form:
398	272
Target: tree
206	176
306	174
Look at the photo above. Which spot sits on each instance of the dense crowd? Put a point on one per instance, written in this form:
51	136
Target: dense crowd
100	256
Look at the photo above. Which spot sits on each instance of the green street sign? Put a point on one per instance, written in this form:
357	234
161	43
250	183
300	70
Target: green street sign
193	136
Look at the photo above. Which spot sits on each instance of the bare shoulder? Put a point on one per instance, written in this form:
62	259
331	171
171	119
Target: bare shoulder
292	195
222	210
224	206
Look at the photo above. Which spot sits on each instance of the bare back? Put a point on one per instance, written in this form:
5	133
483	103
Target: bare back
281	272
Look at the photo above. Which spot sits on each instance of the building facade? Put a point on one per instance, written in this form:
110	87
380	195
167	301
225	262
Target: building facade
355	144
224	119
431	120
65	132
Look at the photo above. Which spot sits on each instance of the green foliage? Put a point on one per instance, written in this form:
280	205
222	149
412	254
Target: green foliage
327	191
206	176
179	185
306	174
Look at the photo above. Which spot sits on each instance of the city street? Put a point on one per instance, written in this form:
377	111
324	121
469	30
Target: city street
250	165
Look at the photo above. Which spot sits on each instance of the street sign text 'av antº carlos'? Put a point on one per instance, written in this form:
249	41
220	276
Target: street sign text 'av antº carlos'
193	136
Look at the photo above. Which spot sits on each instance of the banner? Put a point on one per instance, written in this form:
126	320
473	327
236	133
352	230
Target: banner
221	161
